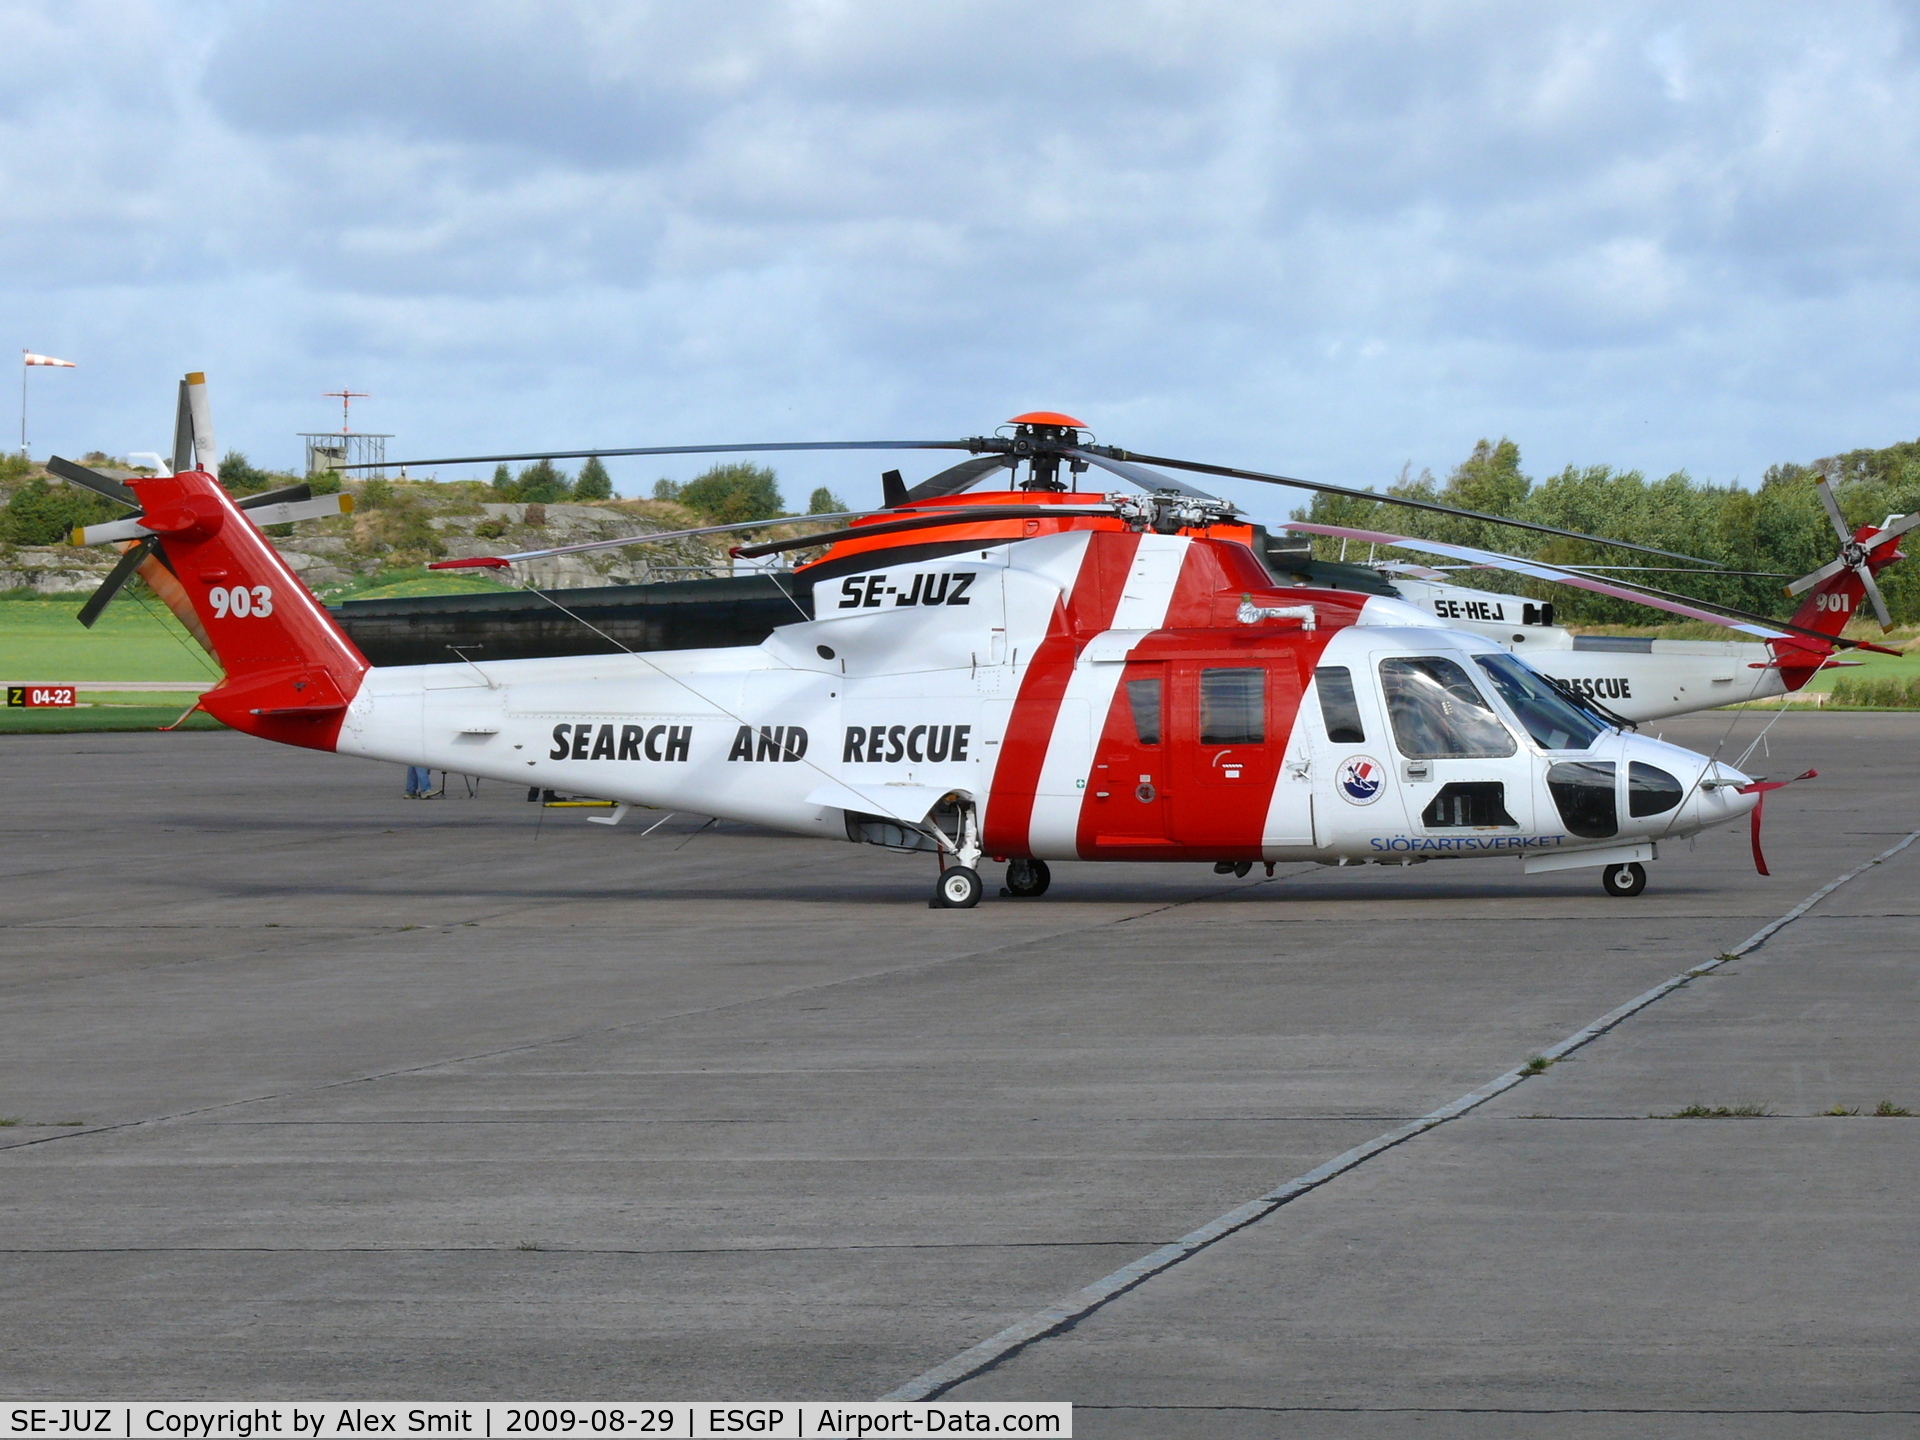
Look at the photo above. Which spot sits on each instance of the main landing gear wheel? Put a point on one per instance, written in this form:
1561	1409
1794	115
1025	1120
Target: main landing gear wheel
1624	880
1028	879
959	889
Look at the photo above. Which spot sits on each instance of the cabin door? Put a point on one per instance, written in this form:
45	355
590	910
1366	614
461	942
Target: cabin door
1127	791
1230	725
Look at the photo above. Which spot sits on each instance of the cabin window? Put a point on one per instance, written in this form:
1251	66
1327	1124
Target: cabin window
1583	792
1437	713
1469	805
1143	698
1651	790
1233	707
1554	721
1338	707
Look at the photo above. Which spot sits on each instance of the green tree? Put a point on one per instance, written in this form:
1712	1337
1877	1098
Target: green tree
824	502
728	494
43	514
666	490
503	481
594	482
239	477
542	483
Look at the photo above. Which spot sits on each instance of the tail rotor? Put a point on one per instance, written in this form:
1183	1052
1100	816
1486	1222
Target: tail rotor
143	554
1860	552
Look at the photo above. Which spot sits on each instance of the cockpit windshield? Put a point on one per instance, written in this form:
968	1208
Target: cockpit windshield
1437	712
1554	721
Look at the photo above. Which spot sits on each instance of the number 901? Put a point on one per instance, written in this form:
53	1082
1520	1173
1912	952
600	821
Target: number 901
240	602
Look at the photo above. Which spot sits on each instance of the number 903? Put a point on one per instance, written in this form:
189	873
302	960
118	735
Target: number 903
240	602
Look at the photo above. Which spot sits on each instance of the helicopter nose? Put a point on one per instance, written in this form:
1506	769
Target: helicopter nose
1663	779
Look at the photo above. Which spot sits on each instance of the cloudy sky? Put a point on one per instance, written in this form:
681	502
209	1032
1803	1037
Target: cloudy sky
1322	239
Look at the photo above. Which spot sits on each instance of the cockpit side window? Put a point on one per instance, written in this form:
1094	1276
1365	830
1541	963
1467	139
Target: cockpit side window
1338	707
1143	698
1437	713
1554	721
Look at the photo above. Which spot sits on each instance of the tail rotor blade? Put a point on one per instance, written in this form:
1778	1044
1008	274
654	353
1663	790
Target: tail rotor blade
206	455
93	480
130	561
1873	594
1825	492
1814	577
286	494
182	433
1894	530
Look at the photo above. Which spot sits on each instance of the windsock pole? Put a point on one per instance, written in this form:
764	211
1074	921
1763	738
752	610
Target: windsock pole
27	361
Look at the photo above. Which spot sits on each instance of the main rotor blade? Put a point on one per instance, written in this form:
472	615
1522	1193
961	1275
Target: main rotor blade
496	561
1538	571
1825	492
1231	473
1873	593
923	521
93	480
675	450
1644	595
956	478
129	562
1150	481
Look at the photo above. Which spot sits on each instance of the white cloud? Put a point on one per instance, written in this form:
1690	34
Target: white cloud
1289	236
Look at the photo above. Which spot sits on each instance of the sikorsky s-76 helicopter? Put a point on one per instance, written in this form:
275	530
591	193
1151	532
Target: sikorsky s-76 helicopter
1026	676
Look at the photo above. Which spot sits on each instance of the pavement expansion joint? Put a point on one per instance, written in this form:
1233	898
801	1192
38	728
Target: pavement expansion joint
1066	1313
523	1248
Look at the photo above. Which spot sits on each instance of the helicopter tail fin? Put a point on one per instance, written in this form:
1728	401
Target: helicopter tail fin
1830	602
290	672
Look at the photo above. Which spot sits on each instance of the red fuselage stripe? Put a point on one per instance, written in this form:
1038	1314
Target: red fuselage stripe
1023	749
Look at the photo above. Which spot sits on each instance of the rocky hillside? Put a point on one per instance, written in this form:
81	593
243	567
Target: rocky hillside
396	527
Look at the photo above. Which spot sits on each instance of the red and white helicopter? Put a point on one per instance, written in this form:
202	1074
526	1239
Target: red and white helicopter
1029	676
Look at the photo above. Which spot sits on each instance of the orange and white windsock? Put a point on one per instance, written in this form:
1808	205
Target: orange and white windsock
27	357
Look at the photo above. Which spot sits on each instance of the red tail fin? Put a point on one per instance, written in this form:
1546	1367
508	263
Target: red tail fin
1827	608
290	672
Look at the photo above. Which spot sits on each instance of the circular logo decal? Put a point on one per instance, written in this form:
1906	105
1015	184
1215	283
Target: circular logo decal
1360	779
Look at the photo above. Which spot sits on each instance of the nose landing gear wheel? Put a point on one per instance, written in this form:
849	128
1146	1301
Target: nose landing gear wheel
1028	879
1624	880
959	889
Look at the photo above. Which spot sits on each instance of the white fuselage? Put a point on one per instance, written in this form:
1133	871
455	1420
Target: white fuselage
903	693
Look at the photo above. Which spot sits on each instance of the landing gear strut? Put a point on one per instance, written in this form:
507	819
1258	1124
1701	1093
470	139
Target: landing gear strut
959	885
1028	879
1624	880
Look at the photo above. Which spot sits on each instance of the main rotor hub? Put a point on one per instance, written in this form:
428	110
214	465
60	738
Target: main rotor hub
1040	437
